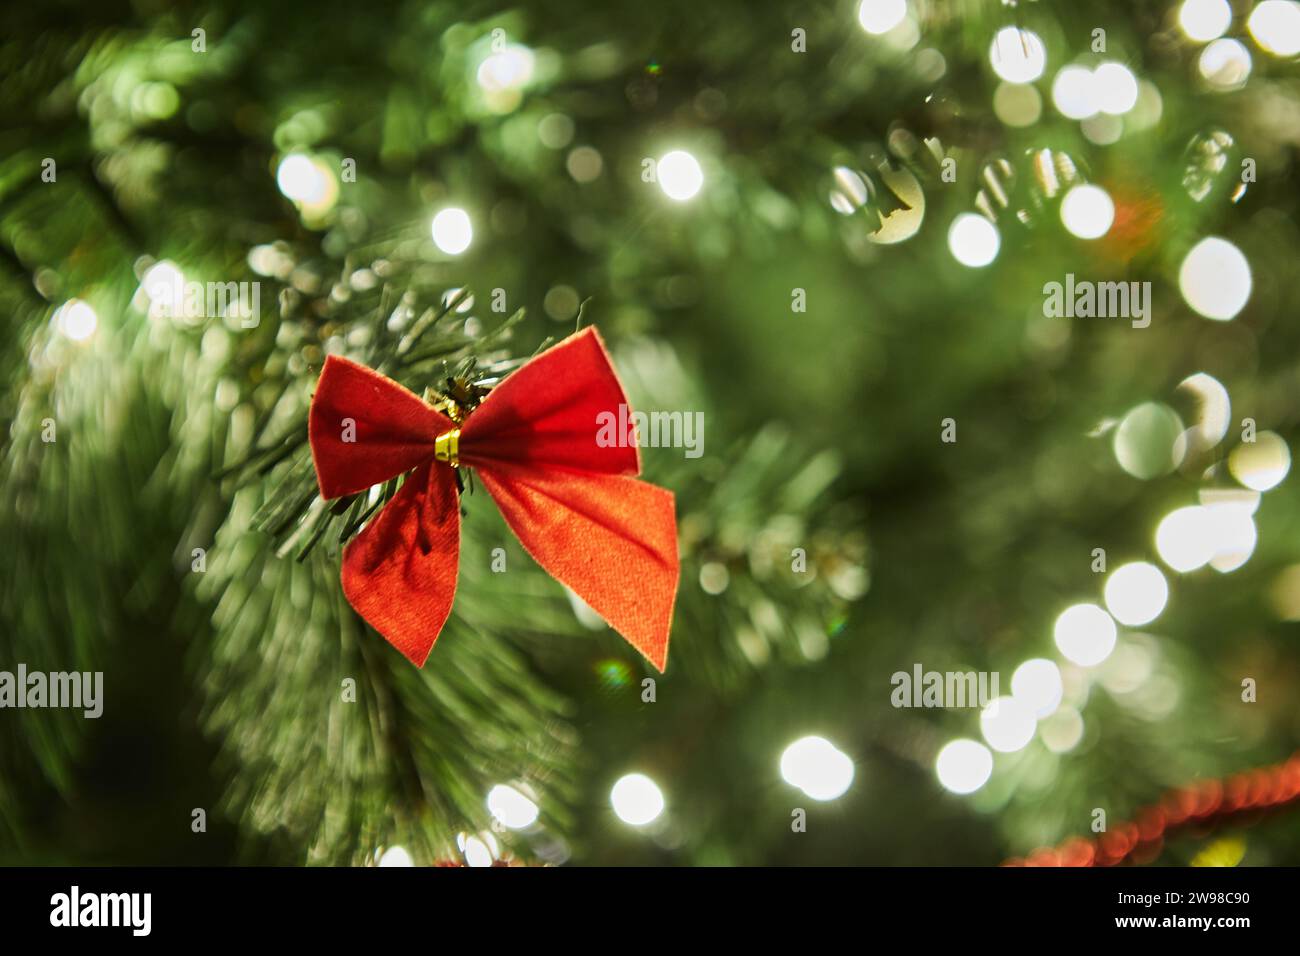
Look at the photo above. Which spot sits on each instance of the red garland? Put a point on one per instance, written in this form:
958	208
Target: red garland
1206	803
572	503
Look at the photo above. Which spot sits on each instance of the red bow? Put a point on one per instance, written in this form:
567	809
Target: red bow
571	502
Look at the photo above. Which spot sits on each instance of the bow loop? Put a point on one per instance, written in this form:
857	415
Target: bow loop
548	414
364	428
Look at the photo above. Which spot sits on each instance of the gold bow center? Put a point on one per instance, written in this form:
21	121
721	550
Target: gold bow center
446	447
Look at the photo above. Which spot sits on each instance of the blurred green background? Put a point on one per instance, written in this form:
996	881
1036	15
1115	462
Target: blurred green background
803	277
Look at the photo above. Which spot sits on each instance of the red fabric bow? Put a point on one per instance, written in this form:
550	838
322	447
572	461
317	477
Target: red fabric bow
571	502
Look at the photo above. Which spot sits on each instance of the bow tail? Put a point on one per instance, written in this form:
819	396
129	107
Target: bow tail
611	539
400	572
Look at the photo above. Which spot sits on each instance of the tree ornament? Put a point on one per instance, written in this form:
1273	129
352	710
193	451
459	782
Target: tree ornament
568	495
1200	806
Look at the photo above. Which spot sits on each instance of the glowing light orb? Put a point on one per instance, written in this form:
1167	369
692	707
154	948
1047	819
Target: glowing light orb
1007	724
1037	684
1261	464
1204	20
1085	634
396	856
1018	56
679	175
817	767
164	285
1115	87
1136	593
1275	25
973	240
1213	408
477	852
636	799
848	191
1073	93
881	16
509	69
963	766
300	179
452	231
1149	441
511	808
1215	279
1017	104
76	320
1087	211
1225	64
1233	533
1184	538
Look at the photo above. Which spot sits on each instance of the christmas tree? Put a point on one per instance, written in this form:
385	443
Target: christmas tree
959	332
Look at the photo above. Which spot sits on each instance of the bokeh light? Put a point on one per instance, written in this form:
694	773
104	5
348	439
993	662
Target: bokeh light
1233	535
512	809
164	286
973	240
1215	279
1085	634
1102	129
1261	464
1087	211
1073	92
1204	20
1213	409
396	856
1037	684
1018	56
452	230
1007	724
636	799
466	304
679	175
963	766
477	852
309	182
1284	594
817	767
1221	533
76	320
1136	593
1184	538
1225	64
1062	731
1116	88
509	69
881	16
848	191
1275	25
1017	104
299	178
1149	441
1129	668
714	577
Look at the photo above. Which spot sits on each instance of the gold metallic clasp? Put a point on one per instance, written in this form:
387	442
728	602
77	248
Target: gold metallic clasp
446	447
